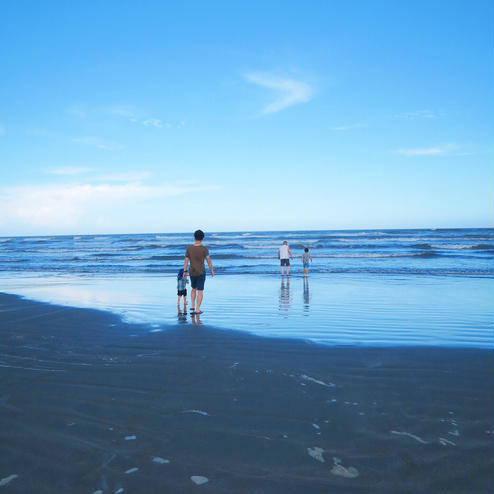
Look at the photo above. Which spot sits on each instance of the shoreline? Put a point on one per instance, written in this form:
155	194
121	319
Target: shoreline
86	398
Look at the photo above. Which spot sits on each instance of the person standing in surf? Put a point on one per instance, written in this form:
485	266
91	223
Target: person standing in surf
196	254
284	256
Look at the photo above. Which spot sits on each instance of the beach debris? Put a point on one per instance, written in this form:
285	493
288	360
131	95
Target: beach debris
303	384
322	383
316	453
413	436
316	426
119	491
489	432
285	436
99	491
71	424
446	442
199	479
340	470
454	433
334	400
159	460
130	438
200	412
8	480
235	364
131	470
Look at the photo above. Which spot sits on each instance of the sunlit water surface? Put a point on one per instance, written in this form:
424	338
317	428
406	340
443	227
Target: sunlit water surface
335	308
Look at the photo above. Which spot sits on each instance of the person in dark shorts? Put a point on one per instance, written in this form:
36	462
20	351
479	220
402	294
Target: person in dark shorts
284	256
196	254
182	288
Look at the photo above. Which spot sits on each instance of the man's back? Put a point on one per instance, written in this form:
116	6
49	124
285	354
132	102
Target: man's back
196	255
284	253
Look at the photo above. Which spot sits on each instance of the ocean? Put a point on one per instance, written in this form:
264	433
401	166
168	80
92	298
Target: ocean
366	287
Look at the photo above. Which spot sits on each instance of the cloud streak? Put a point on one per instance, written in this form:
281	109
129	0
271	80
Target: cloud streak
99	143
69	170
342	128
289	91
418	114
431	151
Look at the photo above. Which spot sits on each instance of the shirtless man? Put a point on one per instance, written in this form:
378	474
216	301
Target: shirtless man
196	254
283	255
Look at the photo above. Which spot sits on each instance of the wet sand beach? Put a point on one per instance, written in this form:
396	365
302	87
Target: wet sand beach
91	404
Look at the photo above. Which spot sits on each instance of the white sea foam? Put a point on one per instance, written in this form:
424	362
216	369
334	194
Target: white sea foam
446	442
316	453
199	412
159	460
413	436
341	471
199	479
7	480
322	383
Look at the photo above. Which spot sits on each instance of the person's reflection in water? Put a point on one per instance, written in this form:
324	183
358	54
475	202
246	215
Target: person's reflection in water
306	296
182	317
285	295
196	319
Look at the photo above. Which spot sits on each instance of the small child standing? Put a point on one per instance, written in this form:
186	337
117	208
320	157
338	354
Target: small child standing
306	260
182	289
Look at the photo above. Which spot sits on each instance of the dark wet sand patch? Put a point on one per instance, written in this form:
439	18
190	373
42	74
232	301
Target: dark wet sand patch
83	404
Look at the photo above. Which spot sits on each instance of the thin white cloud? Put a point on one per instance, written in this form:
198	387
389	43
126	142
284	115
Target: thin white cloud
99	143
126	111
122	111
431	151
154	122
342	128
69	170
123	177
289	91
60	206
417	114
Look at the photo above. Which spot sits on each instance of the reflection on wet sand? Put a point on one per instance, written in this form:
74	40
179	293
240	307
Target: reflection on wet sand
181	316
195	319
306	297
285	295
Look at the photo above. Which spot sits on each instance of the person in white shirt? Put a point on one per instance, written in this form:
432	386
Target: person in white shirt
284	255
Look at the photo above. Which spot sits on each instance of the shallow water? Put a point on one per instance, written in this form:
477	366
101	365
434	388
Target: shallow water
354	309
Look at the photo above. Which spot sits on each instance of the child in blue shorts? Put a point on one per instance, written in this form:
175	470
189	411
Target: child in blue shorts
306	260
182	288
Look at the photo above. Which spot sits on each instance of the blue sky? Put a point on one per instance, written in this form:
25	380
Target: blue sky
120	116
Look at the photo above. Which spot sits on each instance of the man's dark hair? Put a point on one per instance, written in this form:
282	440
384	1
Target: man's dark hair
199	235
306	249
